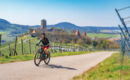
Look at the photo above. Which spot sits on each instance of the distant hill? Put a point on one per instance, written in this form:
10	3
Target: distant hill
16	28
70	26
11	30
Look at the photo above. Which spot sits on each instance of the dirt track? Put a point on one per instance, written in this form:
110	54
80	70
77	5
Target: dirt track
60	68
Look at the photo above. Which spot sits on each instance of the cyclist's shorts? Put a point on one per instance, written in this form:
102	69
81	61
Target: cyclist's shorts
47	47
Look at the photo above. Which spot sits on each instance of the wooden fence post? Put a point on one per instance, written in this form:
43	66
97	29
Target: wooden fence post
30	46
10	53
15	52
0	44
61	47
54	47
22	46
54	51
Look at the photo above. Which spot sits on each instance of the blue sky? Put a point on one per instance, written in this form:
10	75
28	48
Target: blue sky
79	12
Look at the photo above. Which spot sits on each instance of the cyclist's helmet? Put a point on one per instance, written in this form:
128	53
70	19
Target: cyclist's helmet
43	33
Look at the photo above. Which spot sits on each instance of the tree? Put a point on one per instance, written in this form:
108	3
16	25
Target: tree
81	42
95	43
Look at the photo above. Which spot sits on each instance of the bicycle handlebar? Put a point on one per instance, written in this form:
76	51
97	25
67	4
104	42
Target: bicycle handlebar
43	45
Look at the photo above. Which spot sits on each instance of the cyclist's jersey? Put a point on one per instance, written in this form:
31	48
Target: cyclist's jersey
44	41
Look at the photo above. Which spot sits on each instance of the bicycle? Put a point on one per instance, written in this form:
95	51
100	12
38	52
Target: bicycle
41	56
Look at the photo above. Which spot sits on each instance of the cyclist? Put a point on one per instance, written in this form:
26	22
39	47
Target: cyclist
45	43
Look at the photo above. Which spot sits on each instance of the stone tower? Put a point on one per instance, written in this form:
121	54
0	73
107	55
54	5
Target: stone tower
43	25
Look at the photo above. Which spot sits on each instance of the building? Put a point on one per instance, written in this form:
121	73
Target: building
51	29
34	31
38	30
30	30
77	33
84	34
43	25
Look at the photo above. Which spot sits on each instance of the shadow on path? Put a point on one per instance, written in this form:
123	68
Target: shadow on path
59	67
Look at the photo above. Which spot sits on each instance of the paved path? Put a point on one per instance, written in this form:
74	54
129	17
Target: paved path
60	68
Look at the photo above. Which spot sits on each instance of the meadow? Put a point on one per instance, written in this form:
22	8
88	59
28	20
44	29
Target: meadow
101	35
27	57
110	69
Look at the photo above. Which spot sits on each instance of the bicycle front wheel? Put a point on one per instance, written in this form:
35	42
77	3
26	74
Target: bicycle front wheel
37	58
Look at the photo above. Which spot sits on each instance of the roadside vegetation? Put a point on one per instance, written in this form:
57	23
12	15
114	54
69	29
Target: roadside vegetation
29	42
62	43
27	57
102	35
108	70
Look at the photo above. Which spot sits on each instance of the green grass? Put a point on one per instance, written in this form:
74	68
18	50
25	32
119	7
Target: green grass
101	35
8	59
70	53
26	57
1	32
107	70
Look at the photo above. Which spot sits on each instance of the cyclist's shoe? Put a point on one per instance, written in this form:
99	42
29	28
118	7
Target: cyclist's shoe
47	55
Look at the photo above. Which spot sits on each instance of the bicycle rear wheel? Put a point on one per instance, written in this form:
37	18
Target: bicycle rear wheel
37	58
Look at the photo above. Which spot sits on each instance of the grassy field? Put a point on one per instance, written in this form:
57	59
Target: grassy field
101	35
5	47
108	70
26	57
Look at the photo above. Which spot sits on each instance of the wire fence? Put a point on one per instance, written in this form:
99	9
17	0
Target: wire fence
28	46
125	43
